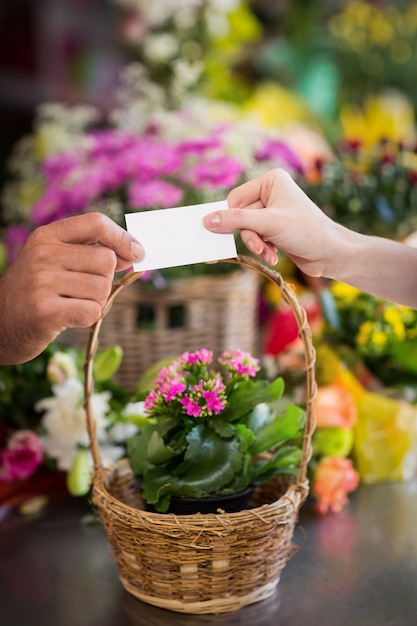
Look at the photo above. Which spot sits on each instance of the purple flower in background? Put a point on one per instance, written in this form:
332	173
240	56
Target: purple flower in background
278	151
199	145
59	165
153	193
222	171
14	240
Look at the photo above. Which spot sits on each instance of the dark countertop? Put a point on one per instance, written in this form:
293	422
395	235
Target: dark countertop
357	568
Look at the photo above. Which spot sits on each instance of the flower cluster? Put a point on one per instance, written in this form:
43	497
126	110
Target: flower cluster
55	434
382	334
188	386
176	160
370	189
374	46
208	425
333	473
184	44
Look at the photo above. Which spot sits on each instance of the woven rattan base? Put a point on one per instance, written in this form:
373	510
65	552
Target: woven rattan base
211	563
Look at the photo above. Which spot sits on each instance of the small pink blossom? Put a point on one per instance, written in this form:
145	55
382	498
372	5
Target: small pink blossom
200	357
334	478
214	404
191	406
240	362
21	457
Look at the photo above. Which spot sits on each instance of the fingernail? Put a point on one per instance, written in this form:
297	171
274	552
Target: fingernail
137	249
253	247
272	259
213	219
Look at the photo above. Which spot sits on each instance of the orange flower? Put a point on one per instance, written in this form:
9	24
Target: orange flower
333	480
335	407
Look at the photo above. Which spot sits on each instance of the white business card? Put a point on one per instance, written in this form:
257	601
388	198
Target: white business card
175	237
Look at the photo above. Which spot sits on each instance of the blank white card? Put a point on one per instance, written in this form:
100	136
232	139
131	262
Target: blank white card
174	237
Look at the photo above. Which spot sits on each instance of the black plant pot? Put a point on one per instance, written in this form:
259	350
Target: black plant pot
180	505
229	504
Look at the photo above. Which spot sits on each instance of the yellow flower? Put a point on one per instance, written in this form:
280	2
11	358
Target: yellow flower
392	316
345	292
379	338
275	106
364	333
389	116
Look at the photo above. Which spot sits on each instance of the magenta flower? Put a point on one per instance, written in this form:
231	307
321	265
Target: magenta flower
214	403
153	193
222	171
191	406
240	362
280	153
200	357
21	457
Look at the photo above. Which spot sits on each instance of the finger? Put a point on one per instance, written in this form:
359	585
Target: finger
229	220
246	195
93	228
263	249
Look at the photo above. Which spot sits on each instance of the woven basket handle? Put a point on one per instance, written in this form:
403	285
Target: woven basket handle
304	332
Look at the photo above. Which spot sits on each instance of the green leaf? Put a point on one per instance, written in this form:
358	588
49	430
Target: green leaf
248	393
157	452
261	415
224	429
147	380
405	353
107	362
80	474
210	463
285	461
283	427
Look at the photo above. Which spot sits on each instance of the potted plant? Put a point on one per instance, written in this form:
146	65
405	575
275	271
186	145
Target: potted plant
213	428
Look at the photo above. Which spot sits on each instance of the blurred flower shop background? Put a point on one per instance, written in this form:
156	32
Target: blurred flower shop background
127	105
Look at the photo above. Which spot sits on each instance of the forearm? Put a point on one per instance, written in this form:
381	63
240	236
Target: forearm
379	266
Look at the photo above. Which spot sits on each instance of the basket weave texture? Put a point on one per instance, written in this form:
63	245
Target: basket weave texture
153	324
202	563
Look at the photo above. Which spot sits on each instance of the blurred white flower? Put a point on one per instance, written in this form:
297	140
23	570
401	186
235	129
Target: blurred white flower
160	48
61	366
64	420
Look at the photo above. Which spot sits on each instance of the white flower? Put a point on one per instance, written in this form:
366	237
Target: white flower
64	420
161	48
60	367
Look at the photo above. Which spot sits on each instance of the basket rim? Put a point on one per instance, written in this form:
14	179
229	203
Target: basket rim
294	495
304	333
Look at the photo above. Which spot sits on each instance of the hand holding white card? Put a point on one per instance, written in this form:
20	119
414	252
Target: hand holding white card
175	237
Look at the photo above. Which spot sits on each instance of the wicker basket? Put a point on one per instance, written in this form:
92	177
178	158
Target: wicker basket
212	563
151	324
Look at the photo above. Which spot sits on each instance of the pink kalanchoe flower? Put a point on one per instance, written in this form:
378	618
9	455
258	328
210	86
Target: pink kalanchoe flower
22	456
200	357
191	406
240	362
214	404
